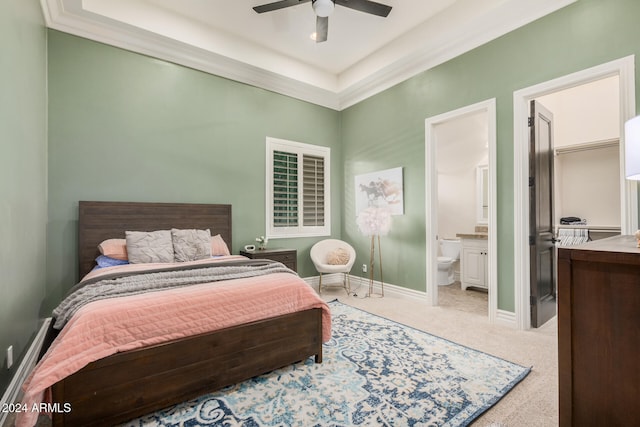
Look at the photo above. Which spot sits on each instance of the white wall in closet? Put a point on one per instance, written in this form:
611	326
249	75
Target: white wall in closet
586	113
587	161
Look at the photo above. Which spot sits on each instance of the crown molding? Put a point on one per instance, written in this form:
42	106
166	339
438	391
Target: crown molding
59	16
398	60
442	45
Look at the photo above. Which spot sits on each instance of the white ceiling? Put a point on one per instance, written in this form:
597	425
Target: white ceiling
363	55
463	142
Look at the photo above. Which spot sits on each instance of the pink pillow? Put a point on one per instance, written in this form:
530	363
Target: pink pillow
218	246
114	248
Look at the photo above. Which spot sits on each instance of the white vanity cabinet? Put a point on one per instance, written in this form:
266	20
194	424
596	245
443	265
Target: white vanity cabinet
474	263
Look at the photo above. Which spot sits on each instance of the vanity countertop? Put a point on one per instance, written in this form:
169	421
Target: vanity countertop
477	236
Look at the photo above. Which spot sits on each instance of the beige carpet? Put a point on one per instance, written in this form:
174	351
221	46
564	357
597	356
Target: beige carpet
533	402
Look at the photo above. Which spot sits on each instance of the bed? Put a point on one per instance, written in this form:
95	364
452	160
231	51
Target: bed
131	383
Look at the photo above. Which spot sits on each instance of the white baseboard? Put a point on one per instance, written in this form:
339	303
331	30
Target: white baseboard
361	286
506	318
389	289
363	282
26	366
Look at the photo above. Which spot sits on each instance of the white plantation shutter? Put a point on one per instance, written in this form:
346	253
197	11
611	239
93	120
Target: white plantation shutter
313	190
297	189
285	189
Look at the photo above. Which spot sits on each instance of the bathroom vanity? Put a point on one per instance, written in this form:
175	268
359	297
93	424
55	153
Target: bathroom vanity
474	260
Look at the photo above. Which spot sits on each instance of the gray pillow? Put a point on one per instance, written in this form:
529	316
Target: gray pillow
191	245
149	246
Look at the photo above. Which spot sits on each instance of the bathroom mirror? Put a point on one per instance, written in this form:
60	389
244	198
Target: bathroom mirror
482	194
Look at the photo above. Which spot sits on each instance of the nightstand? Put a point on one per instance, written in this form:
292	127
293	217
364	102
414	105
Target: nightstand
288	257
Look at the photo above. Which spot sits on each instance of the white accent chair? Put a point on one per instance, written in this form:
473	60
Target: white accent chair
319	254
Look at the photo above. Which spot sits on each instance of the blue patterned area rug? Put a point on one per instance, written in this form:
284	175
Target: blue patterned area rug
375	372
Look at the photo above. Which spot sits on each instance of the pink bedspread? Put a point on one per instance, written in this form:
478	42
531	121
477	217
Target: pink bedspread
106	327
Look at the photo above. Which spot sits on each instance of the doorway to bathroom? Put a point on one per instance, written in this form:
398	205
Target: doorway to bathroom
460	150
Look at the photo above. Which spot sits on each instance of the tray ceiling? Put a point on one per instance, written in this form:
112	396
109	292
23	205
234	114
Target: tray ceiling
364	54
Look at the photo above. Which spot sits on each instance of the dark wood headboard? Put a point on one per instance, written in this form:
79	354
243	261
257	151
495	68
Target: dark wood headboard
98	221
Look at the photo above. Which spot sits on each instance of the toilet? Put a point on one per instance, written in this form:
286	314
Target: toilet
450	249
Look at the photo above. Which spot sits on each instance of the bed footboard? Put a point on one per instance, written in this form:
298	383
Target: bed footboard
127	385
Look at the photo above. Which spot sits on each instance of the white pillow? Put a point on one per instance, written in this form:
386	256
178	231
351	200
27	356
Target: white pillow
191	245
149	246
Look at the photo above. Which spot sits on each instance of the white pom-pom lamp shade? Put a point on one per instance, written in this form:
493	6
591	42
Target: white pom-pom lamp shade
374	221
632	148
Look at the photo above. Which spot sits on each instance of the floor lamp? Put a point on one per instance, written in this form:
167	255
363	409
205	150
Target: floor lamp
374	222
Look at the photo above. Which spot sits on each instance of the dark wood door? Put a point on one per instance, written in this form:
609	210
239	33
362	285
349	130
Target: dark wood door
541	236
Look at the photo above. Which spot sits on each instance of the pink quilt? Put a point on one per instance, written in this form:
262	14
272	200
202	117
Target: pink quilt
106	327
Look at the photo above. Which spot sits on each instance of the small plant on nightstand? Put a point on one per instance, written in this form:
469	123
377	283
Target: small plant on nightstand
262	242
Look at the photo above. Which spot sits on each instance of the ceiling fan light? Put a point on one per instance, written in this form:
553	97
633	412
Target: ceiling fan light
323	8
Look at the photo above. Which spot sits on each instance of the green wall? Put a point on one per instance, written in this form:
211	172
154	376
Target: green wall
126	127
23	186
387	130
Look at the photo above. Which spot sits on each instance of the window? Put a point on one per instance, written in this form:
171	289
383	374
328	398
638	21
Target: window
297	189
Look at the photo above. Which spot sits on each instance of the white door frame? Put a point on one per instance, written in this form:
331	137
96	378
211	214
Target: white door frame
625	69
431	197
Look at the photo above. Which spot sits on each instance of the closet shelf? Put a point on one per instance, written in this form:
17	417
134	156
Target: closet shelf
591	227
596	145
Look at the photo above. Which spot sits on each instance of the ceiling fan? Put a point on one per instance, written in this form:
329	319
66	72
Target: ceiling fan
323	9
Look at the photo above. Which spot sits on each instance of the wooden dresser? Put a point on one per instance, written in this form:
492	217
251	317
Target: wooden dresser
599	333
289	257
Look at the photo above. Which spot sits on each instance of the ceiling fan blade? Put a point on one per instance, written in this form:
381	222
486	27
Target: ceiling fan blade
278	5
322	29
366	6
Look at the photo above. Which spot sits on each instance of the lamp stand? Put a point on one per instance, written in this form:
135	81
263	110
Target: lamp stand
372	265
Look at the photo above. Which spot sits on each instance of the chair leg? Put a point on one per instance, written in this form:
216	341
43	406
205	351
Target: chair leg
347	283
320	285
